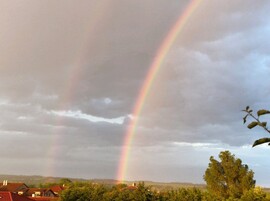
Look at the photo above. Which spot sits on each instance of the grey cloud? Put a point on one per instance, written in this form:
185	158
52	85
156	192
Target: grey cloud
92	56
215	20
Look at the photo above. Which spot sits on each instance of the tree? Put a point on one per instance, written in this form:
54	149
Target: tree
65	181
228	177
257	122
83	192
184	194
256	194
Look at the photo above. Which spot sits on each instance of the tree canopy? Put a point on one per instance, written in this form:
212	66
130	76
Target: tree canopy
228	177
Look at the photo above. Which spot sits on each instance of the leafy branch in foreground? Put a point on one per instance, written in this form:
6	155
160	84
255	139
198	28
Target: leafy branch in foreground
257	122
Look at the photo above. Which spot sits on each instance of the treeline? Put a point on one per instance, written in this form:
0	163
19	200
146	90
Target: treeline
121	192
226	179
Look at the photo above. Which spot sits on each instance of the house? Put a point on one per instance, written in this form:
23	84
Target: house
18	188
44	198
21	192
40	192
8	196
57	189
133	187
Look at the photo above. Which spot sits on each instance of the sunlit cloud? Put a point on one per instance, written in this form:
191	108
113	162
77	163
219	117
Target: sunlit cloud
79	115
197	145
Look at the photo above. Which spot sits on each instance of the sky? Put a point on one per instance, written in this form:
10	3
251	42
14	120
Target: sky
71	72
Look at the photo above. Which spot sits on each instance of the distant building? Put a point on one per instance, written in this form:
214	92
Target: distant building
8	196
57	189
43	198
18	188
133	187
39	192
21	192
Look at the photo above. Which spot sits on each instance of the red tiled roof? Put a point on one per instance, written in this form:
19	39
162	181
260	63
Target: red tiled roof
44	198
57	188
30	191
12	187
8	196
42	191
131	188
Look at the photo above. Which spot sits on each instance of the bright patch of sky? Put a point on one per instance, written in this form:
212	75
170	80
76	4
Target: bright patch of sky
79	115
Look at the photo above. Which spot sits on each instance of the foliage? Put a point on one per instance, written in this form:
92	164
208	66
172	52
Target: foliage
255	194
228	177
257	122
83	192
120	192
62	182
206	196
184	194
65	181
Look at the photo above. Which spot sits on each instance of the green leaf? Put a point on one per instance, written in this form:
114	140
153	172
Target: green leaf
252	124
262	112
263	124
261	141
245	118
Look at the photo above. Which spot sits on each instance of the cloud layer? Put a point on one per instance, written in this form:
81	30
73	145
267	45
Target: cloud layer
71	72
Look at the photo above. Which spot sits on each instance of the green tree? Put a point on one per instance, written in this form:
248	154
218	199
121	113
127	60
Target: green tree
184	194
228	177
83	192
257	123
255	194
65	181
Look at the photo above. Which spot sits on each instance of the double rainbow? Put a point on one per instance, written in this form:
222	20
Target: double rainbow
146	87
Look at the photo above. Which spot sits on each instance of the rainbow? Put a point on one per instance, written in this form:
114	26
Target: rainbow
146	87
97	14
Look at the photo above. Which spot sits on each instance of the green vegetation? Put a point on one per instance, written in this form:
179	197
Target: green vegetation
257	123
228	178
36	181
120	192
83	191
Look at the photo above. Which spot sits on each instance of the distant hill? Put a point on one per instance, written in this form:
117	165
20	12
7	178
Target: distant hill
159	186
35	180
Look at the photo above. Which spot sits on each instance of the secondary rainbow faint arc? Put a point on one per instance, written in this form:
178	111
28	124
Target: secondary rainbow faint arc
150	77
97	14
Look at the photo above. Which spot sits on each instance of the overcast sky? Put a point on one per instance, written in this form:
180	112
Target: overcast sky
70	73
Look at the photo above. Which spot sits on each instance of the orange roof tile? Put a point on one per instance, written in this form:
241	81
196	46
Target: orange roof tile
57	188
12	187
41	191
8	196
44	198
